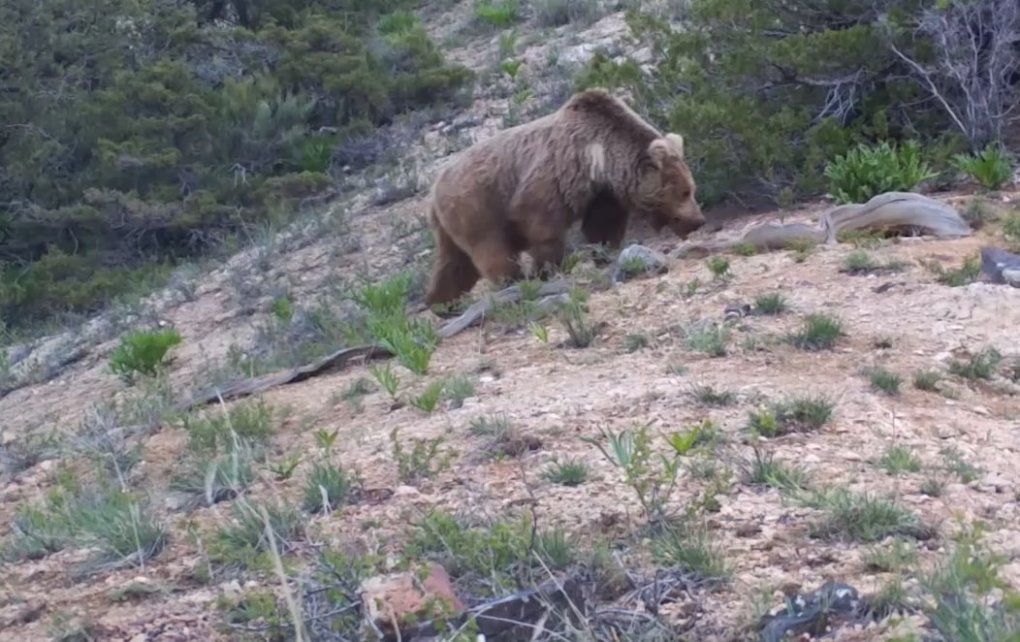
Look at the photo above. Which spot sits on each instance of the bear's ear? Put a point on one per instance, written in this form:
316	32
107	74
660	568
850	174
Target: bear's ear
677	141
659	150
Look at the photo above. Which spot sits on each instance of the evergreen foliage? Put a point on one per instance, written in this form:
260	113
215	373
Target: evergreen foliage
134	130
769	91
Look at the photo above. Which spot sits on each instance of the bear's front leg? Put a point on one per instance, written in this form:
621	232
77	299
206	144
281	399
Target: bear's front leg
548	256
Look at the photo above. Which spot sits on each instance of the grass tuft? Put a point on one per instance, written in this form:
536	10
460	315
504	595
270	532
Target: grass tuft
885	381
796	414
819	332
771	304
573	472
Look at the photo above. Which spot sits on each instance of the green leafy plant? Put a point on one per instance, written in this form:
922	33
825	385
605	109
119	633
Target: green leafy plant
573	314
652	479
796	414
992	167
412	340
719	266
573	472
820	332
328	487
143	352
388	379
424	460
771	304
864	172
429	398
498	13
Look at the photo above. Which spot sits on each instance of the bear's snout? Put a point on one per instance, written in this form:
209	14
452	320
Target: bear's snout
684	226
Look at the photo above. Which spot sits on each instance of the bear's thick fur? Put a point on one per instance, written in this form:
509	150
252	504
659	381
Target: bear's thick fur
593	159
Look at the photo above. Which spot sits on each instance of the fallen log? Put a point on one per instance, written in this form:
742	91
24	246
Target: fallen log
549	294
888	211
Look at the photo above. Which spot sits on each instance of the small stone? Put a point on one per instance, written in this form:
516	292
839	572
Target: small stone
638	259
230	589
406	491
748	529
403	598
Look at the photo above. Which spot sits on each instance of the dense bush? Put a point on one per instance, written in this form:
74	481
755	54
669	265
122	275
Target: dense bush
769	91
865	172
140	129
142	352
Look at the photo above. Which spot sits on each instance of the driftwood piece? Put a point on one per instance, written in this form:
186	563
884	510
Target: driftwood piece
887	211
1000	266
549	294
813	613
255	385
477	310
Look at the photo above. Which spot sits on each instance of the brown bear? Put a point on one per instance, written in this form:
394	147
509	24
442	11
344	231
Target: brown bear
593	159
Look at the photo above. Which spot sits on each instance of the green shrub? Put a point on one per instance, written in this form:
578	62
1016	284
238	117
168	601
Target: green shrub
497	13
864	172
770	91
556	13
992	167
159	153
1011	229
142	352
328	487
412	340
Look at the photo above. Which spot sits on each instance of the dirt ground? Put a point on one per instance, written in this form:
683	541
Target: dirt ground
904	321
559	395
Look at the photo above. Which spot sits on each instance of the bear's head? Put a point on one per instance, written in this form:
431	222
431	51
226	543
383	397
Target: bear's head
666	188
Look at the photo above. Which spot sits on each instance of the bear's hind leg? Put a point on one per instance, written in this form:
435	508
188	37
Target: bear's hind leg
453	275
496	259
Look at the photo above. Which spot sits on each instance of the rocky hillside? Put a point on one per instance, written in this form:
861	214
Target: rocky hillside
684	451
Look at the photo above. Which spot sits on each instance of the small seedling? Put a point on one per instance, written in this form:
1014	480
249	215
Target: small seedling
719	266
710	339
386	378
429	398
285	469
539	331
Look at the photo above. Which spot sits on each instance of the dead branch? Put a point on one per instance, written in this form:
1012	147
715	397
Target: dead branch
549	294
887	211
976	59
